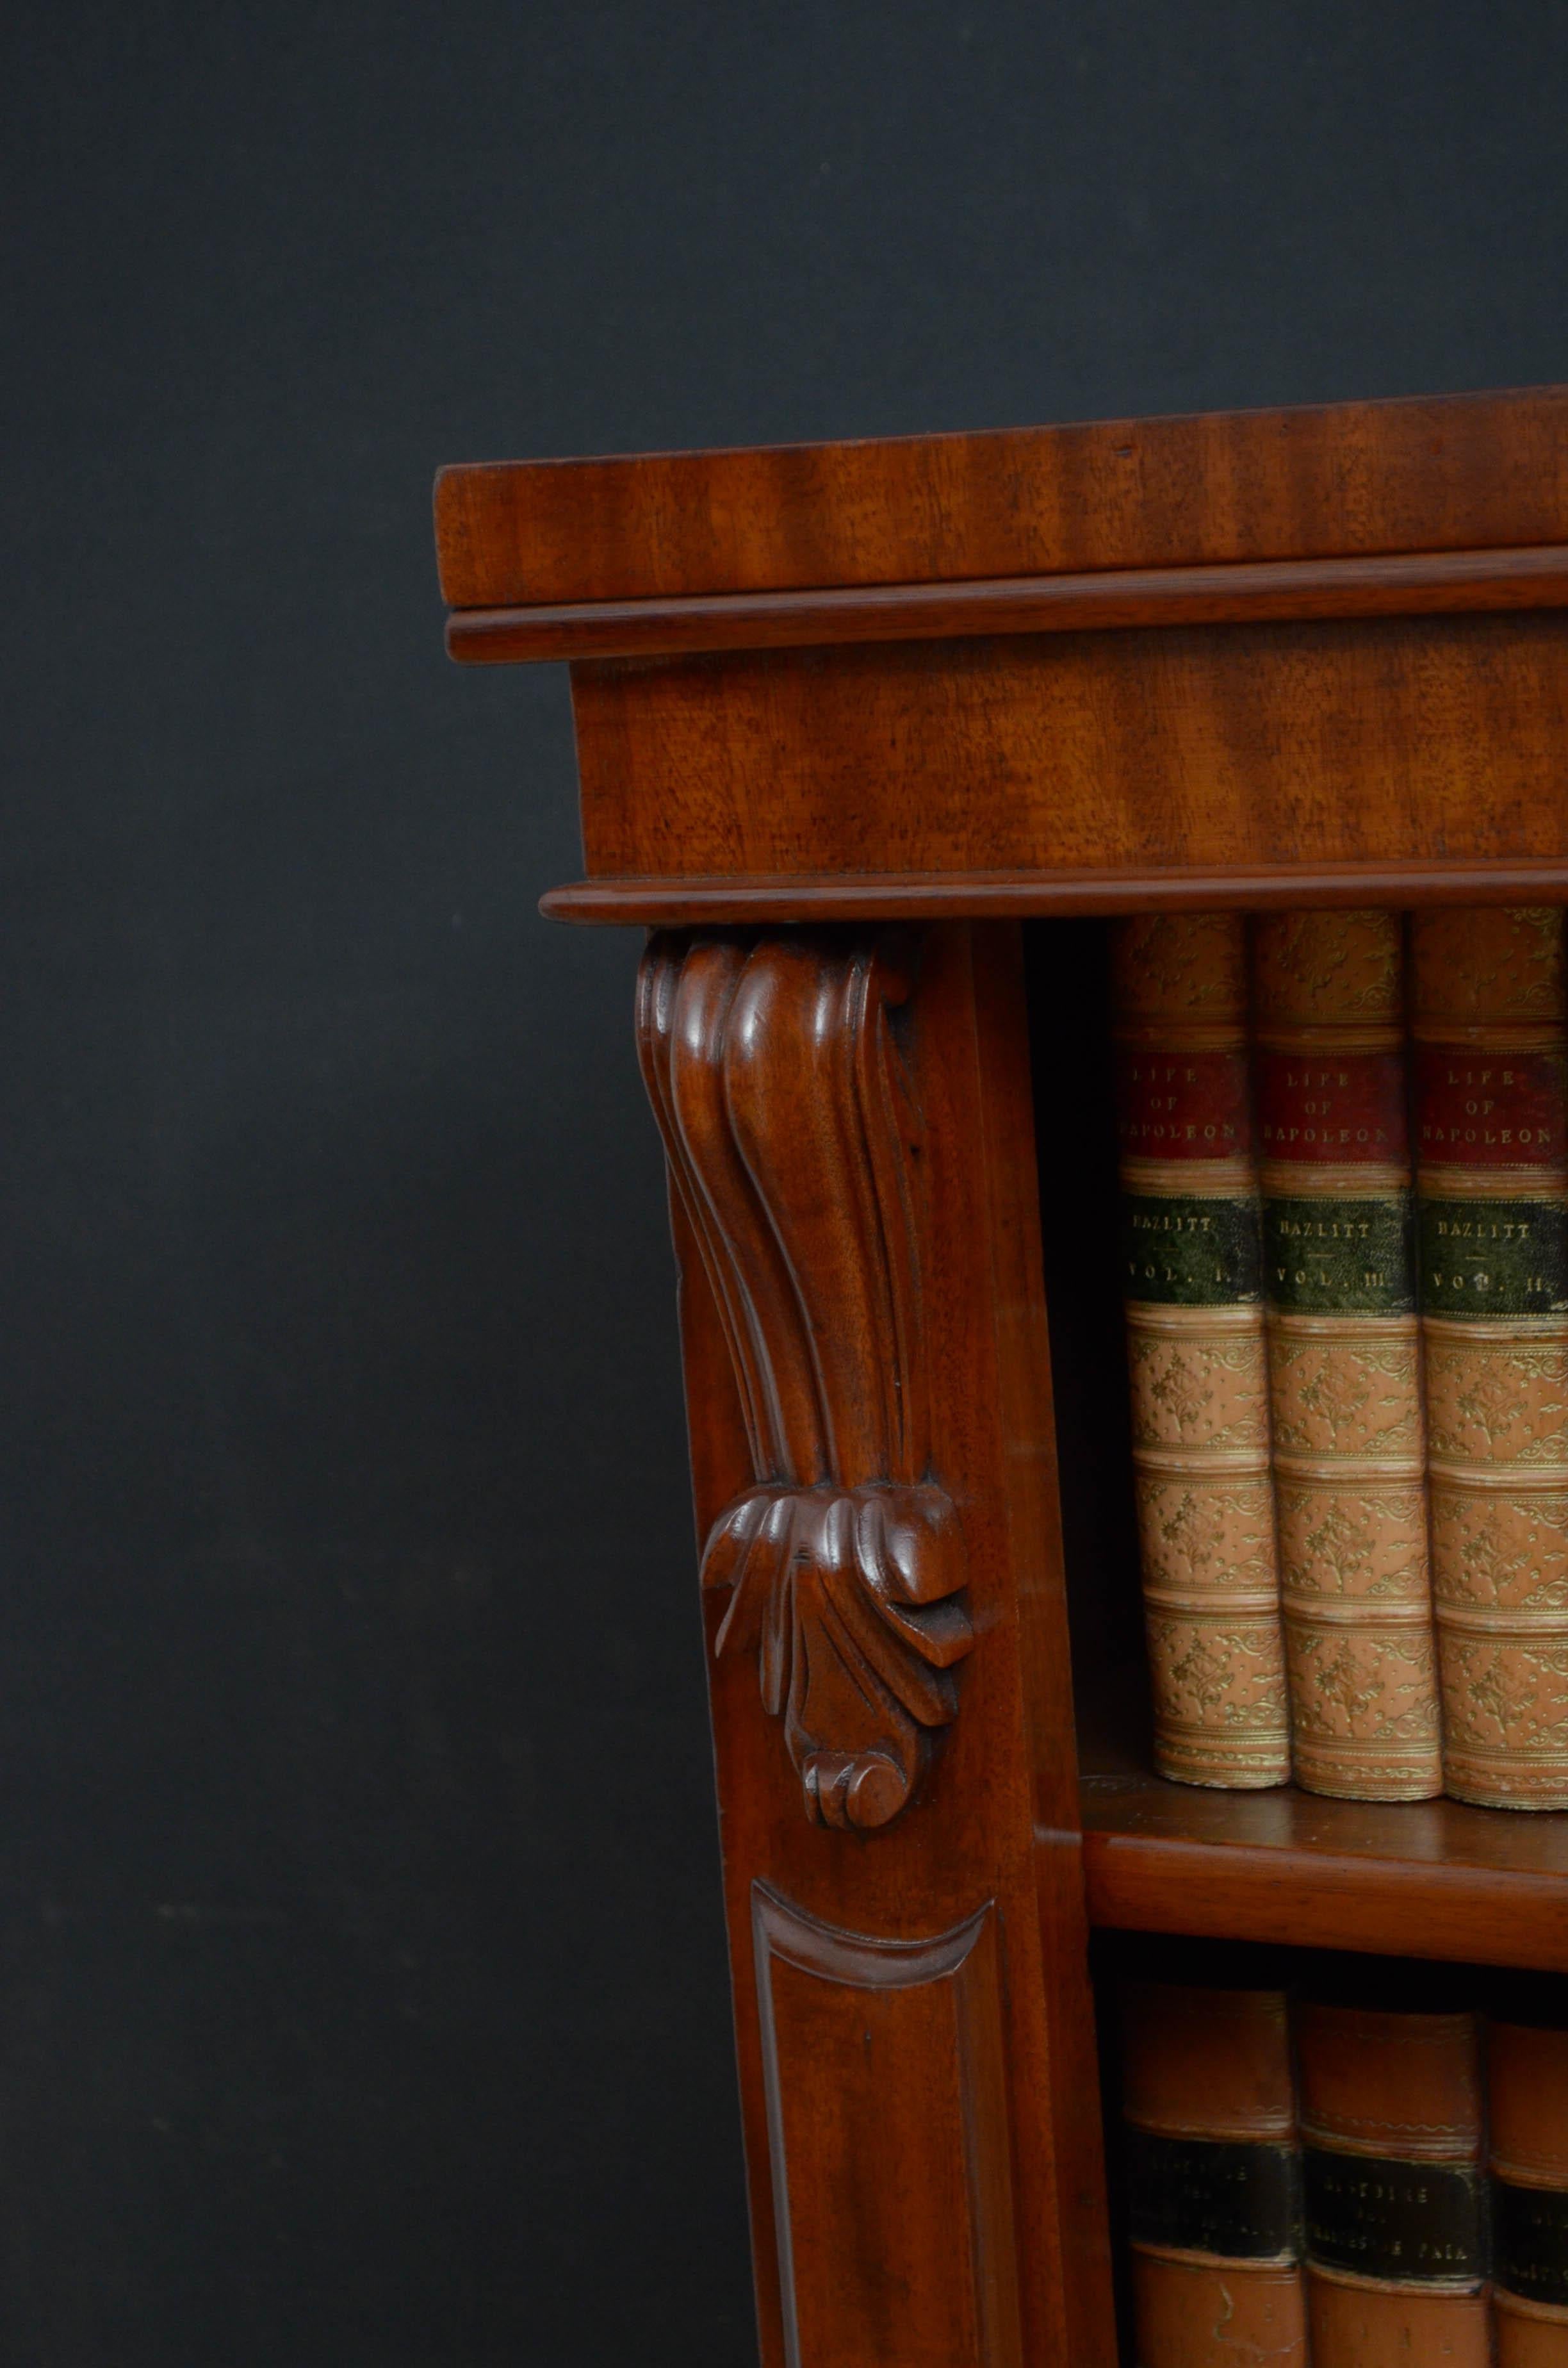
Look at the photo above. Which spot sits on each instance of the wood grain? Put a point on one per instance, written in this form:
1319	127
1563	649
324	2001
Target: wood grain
963	1845
1406	583
1421	1879
1388	742
1453	472
796	1141
1257	659
906	2039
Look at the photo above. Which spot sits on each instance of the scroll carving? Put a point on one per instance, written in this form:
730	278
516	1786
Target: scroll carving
779	1071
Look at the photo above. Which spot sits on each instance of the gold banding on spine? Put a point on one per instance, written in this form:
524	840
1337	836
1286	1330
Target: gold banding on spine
1492	1182
1343	1353
1196	1352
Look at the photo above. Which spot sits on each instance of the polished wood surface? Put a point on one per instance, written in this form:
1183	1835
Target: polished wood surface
1118	751
840	2017
832	2059
1450	473
1253	660
1414	1878
1015	895
798	1144
1408	583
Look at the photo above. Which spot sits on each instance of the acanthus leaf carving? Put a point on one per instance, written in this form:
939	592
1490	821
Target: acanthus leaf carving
796	1141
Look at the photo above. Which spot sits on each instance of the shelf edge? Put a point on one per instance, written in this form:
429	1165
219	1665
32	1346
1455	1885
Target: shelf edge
1322	1900
741	899
1237	592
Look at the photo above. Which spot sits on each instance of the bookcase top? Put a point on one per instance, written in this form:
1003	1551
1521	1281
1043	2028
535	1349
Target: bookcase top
1309	656
1445	473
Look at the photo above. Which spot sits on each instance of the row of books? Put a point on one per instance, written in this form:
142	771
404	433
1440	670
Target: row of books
1324	2176
1344	1158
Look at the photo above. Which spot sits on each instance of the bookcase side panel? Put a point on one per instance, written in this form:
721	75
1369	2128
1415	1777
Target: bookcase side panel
848	1117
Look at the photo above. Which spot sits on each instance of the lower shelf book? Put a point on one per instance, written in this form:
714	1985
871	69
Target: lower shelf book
1392	2168
1214	2170
1351	2162
1527	2064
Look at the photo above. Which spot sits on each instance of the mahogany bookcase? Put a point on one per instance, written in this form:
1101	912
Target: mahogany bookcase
857	726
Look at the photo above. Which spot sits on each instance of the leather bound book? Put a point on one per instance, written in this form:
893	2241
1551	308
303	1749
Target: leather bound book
1492	1147
1195	1340
1527	2064
1345	1353
1214	2177
1395	2195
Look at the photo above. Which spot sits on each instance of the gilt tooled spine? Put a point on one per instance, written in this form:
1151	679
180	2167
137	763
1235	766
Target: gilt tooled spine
1397	2236
1345	1354
1527	2067
1214	2177
1195	1337
1491	1150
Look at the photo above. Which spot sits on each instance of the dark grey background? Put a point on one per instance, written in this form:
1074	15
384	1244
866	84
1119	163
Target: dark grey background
363	1999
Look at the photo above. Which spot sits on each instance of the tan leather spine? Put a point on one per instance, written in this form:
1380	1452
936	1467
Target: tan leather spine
1206	2062
1362	2323
1196	1351
1528	2334
1214	2065
1527	2085
1493	1153
1193	2314
1381	2090
1345	1354
1406	2087
1527	2071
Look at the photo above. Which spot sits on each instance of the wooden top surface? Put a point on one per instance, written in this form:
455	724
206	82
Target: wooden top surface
1429	474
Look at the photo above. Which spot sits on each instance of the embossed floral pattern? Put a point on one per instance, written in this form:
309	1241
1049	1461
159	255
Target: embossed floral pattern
1196	1360
1345	1353
1363	1546
1328	968
1195	1389
1505	1549
1357	1395
1497	1401
1493	1127
1365	1685
1210	1539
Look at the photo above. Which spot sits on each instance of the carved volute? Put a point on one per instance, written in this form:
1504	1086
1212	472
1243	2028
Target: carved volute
784	1073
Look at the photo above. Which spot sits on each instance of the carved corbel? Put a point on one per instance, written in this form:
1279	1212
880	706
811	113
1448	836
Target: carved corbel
779	1070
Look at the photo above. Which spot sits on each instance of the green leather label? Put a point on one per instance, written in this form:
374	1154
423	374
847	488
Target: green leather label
1208	2195
1531	2234
1180	1251
1494	1257
1339	1256
1421	2221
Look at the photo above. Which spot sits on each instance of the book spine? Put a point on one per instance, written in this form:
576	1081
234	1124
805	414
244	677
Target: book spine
1214	2177
1196	1353
1492	1152
1395	2196
1345	1354
1528	2081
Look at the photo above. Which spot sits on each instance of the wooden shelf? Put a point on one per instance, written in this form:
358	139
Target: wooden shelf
1427	1878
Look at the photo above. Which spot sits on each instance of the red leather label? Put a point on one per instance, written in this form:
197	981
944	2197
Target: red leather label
1491	1109
1334	1106
1182	1106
